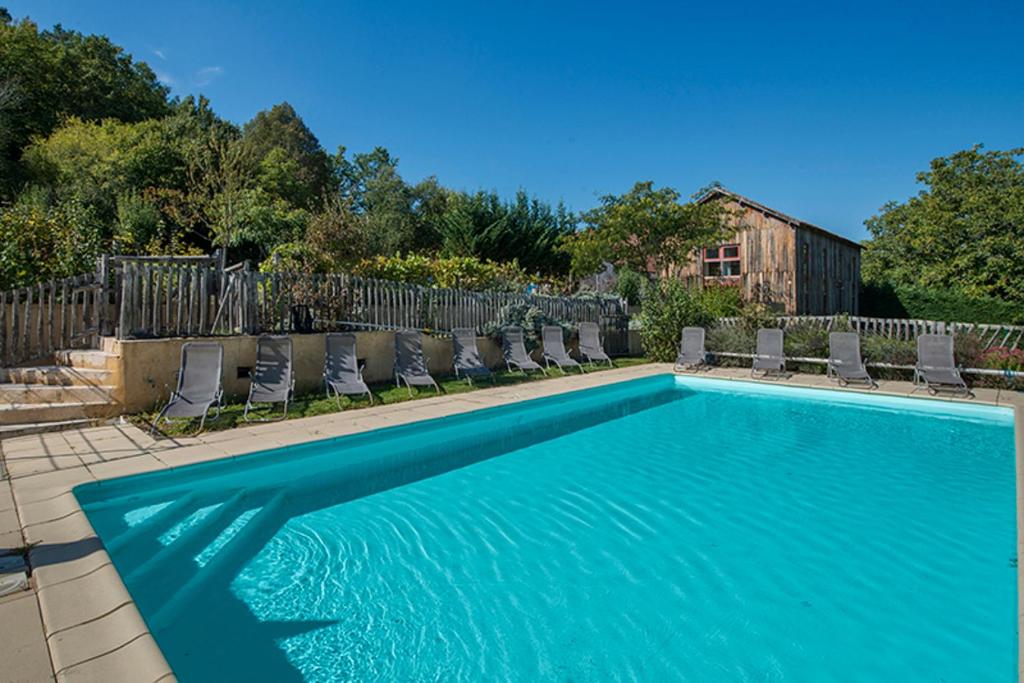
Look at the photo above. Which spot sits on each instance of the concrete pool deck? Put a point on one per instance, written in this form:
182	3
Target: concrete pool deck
77	622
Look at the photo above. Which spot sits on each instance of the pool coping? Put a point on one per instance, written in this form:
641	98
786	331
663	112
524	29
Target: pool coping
92	628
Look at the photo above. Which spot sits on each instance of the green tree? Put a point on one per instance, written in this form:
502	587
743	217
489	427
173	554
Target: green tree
95	163
430	202
526	229
645	229
291	163
55	74
370	182
40	240
963	232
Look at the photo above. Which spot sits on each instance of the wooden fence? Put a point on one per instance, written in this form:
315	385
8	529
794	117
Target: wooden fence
1010	336
289	302
154	297
49	316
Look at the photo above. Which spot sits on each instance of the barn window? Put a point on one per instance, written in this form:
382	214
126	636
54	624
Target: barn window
722	261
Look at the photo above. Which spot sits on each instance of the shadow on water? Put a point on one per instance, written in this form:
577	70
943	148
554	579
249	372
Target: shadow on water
221	640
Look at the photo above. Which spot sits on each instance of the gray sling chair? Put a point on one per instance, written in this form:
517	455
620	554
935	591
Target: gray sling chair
936	367
513	347
198	387
554	348
272	380
692	354
591	347
769	358
466	356
845	364
410	365
343	375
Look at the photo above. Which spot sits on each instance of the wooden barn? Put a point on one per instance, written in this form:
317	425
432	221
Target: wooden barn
798	267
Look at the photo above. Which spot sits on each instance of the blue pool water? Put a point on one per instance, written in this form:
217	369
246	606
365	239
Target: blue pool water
660	529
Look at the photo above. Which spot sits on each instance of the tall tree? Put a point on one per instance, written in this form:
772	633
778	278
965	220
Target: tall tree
55	74
964	231
646	229
292	164
371	183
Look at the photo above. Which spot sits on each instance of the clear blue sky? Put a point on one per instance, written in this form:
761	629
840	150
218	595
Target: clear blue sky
822	111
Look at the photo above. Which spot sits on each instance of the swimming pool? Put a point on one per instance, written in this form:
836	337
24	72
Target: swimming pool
659	529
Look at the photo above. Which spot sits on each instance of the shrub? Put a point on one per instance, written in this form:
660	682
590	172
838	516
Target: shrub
807	340
968	348
528	317
731	339
465	272
630	286
1003	358
669	306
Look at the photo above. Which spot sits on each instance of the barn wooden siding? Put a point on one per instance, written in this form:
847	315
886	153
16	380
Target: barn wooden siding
766	258
827	274
802	269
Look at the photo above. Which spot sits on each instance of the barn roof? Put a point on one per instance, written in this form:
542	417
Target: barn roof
795	222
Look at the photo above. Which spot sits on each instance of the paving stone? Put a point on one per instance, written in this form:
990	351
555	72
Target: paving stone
140	660
24	657
72	603
97	638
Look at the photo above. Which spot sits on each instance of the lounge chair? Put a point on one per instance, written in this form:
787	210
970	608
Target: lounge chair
410	365
769	358
554	348
272	380
513	347
692	354
591	347
343	375
466	356
845	364
198	387
936	367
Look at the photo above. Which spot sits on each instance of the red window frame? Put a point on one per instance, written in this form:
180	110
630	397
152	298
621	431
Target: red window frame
717	255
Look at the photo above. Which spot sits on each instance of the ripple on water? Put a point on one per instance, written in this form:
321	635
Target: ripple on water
718	537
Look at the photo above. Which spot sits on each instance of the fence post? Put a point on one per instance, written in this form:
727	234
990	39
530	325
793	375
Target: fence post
124	327
102	276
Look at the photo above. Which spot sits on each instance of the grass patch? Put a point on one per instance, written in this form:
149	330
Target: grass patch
318	404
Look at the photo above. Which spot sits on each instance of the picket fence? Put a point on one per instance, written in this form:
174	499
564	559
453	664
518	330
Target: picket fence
1009	336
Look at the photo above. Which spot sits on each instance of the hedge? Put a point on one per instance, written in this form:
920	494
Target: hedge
888	301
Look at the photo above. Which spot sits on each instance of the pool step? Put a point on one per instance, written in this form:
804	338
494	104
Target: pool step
158	574
136	535
255	526
150	555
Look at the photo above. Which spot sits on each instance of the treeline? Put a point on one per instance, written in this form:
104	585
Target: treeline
95	156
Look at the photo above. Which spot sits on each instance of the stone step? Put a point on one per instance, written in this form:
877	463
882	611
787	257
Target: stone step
56	375
14	430
89	358
47	393
26	413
